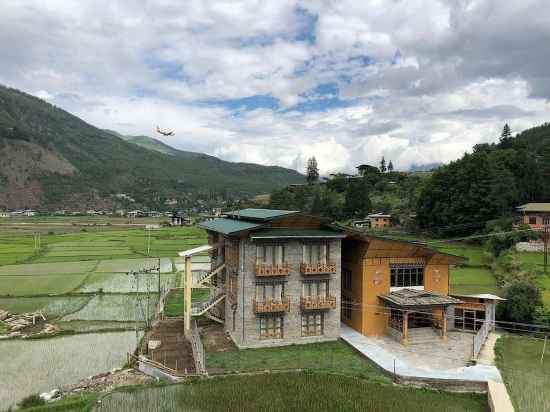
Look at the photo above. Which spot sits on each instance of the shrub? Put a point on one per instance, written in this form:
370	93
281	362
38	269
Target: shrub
523	301
30	401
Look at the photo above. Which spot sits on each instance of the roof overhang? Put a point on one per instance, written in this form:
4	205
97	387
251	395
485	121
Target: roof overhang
297	234
414	299
196	251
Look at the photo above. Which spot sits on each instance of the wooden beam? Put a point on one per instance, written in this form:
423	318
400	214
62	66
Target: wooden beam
187	295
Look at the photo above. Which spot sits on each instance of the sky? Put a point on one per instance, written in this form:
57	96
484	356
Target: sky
276	82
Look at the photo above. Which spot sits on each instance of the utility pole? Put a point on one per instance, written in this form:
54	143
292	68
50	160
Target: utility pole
546	239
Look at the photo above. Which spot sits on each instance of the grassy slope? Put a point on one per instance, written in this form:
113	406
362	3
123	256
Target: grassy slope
526	378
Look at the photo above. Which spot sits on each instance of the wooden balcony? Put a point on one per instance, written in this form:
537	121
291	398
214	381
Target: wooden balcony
318	268
272	306
273	270
318	302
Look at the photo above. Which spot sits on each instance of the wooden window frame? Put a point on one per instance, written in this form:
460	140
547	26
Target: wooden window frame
277	249
317	282
271	327
313	324
403	276
323	255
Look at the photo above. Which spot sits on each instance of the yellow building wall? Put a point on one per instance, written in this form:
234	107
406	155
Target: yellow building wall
376	281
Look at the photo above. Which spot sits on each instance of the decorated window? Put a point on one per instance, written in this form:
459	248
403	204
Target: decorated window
271	327
407	275
313	324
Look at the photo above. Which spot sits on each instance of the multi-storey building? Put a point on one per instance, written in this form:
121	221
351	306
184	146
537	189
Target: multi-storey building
281	278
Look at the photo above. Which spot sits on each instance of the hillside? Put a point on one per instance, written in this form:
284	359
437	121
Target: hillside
51	159
488	184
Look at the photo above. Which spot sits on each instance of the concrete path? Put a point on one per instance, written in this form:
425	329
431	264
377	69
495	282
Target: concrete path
487	354
388	360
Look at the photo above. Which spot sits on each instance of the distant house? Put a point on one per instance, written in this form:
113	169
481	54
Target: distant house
362	223
171	202
5	214
364	170
178	219
536	215
154	213
135	213
379	220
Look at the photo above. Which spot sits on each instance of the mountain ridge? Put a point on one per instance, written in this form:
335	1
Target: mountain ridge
52	159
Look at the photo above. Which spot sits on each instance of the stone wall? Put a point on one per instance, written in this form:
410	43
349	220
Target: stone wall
245	329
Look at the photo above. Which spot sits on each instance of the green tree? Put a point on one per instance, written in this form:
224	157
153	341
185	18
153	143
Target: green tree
506	134
312	172
383	165
317	203
523	302
390	166
357	202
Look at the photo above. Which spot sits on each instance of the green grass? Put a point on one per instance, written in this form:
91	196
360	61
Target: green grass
329	356
527	380
50	306
48	268
3	328
531	258
301	392
40	285
120	308
173	306
470	280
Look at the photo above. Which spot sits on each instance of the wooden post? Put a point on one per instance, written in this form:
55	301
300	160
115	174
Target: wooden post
444	326
405	328
187	295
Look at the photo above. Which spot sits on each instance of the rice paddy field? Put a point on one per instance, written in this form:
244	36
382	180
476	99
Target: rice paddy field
527	378
34	366
77	276
301	392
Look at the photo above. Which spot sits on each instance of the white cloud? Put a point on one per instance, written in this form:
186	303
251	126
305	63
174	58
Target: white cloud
422	80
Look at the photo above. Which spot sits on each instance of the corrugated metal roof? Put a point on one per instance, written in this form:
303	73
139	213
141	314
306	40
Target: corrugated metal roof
228	226
534	207
296	233
411	298
261	214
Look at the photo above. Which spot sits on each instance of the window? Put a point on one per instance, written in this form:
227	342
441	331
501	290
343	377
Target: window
270	254
316	253
271	327
313	324
345	308
346	279
270	291
406	275
546	220
532	220
315	288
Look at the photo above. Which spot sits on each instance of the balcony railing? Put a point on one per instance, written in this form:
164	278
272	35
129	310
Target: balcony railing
282	269
271	306
317	268
318	302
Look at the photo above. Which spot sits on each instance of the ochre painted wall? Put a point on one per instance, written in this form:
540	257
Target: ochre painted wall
376	281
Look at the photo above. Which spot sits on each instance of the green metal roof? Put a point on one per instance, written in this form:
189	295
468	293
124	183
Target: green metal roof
296	233
261	214
534	207
228	226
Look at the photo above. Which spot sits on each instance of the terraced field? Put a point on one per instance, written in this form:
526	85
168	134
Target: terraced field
80	281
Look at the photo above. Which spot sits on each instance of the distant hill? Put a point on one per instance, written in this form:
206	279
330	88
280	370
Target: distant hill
468	194
52	159
428	167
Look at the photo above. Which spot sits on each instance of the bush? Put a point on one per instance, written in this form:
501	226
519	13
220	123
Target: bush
30	401
523	301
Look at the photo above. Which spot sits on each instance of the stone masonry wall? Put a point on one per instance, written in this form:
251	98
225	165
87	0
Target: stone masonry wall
246	331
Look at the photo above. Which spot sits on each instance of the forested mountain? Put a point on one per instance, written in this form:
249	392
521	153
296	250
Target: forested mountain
487	184
52	159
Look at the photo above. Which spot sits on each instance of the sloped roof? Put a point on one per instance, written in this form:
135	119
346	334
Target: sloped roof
260	214
415	298
296	233
229	226
382	247
534	207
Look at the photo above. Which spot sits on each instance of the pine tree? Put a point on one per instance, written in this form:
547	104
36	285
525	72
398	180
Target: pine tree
506	134
312	171
383	165
390	166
